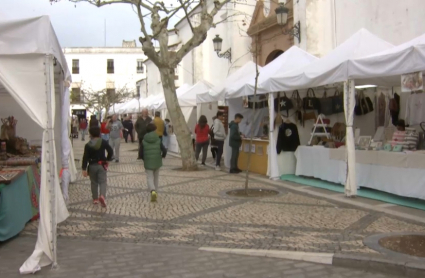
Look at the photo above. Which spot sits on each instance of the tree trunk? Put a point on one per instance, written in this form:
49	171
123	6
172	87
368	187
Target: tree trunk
180	126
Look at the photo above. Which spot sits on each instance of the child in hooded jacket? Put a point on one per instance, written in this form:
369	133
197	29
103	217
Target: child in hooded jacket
153	152
95	164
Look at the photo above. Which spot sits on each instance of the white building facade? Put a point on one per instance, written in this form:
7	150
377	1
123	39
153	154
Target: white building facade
326	24
111	68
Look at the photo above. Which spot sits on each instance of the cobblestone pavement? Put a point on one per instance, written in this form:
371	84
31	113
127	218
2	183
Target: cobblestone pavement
191	212
89	259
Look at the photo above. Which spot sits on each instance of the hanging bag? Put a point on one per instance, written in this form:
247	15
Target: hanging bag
364	104
311	102
297	104
337	102
326	105
283	104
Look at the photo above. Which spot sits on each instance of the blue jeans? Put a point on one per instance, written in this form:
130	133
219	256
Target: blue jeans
105	136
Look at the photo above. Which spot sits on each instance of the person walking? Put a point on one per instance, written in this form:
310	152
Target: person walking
128	125
95	164
160	125
83	129
104	131
235	142
153	151
213	142
115	128
140	126
166	137
202	139
93	121
219	136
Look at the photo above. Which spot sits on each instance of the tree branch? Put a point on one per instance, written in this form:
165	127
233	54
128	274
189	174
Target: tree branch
187	15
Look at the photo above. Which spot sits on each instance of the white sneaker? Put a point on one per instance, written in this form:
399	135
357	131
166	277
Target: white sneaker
217	168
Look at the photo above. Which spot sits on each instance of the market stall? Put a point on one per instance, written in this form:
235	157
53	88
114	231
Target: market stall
329	70
34	81
263	122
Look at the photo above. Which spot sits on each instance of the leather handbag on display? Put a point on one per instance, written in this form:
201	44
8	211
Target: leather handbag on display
364	104
297	104
311	102
309	116
283	104
326	105
337	102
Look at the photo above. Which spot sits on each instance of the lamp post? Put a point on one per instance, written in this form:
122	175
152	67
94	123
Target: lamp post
282	19
217	41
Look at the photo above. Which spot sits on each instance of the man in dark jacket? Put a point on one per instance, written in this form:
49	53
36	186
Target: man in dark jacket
235	142
140	126
128	125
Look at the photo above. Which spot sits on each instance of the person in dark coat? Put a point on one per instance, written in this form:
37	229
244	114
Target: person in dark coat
140	126
128	125
235	142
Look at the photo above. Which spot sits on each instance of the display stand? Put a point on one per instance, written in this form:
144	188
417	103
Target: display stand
319	123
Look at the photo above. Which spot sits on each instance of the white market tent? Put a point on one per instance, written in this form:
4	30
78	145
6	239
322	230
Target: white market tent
187	95
218	93
33	80
293	58
385	67
334	68
131	106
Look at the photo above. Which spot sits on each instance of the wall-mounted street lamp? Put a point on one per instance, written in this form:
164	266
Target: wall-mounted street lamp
282	19
217	48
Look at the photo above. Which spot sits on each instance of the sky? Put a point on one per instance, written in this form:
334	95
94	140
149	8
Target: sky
81	25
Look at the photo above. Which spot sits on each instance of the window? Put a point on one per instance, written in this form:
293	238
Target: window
76	96
110	66
140	68
75	66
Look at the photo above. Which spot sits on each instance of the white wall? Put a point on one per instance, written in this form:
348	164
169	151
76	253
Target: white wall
327	23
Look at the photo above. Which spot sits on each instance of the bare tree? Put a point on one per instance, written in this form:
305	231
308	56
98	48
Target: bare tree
99	100
165	59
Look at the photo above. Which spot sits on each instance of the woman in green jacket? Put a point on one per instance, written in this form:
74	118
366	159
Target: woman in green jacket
152	153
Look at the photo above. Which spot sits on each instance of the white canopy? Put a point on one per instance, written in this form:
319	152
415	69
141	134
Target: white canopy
330	69
386	66
131	106
158	101
291	59
241	76
33	89
187	96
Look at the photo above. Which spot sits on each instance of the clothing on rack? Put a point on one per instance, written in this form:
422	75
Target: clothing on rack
288	138
394	106
415	109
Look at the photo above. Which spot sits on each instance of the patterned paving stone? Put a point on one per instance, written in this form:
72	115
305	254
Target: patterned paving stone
191	212
82	258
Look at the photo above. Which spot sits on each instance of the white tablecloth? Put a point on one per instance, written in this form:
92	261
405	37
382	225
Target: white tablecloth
408	182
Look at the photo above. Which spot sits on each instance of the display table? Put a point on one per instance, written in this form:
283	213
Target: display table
18	199
397	173
259	156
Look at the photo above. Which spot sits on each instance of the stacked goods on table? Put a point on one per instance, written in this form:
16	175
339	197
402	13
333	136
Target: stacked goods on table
15	150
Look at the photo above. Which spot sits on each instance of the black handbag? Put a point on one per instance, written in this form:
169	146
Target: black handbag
364	104
326	105
311	102
337	102
283	103
297	104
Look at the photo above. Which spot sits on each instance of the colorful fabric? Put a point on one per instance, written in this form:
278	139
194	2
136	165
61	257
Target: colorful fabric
33	176
20	161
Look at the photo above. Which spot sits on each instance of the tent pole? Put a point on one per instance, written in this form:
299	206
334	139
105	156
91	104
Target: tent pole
52	169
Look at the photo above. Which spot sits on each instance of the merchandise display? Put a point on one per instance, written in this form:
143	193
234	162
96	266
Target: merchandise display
19	180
